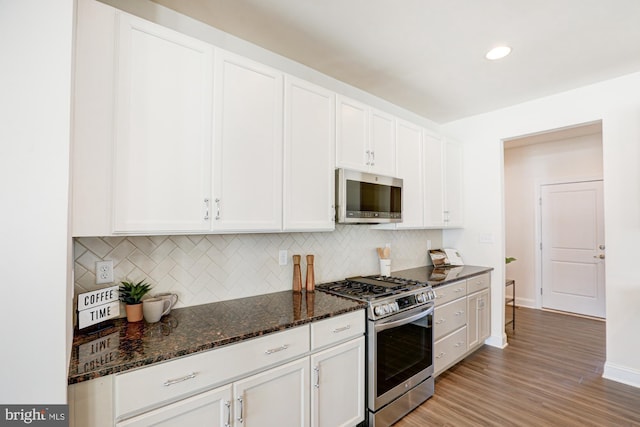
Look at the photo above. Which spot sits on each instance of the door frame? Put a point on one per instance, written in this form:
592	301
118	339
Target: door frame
538	228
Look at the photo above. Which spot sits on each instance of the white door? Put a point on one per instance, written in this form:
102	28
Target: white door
352	135
248	148
278	397
382	143
309	159
211	408
573	264
337	394
163	130
409	166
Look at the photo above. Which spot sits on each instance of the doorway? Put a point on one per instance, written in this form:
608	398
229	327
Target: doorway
559	156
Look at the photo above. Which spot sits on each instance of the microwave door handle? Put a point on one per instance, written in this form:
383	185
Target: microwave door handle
403	321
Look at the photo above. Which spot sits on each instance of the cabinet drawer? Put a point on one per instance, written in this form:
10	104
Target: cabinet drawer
448	349
162	383
449	317
449	292
478	283
336	329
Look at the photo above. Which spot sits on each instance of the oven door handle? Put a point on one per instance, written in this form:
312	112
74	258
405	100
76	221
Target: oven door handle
423	313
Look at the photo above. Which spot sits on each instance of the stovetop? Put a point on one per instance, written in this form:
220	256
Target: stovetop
386	295
370	288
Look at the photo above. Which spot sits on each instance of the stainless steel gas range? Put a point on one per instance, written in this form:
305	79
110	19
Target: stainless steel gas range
399	342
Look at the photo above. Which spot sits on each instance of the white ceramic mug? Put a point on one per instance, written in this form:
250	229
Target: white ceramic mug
154	308
385	267
173	298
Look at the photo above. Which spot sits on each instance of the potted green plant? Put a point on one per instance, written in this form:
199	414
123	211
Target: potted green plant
131	294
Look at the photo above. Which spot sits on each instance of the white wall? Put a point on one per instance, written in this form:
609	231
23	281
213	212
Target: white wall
617	103
525	169
35	83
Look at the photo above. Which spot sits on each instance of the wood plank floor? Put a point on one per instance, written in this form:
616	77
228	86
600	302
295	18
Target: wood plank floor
550	374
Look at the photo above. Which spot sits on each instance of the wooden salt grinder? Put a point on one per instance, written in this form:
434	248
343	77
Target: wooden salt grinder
311	280
297	274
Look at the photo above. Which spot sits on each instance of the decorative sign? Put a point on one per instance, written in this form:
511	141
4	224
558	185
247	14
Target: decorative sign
100	352
97	306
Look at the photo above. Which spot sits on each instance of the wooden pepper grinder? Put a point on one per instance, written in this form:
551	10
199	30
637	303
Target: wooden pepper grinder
311	280
297	274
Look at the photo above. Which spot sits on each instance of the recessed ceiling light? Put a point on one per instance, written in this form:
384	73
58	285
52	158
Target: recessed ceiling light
498	52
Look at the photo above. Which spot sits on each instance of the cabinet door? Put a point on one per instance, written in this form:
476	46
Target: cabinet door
434	181
278	397
163	119
211	408
382	143
308	157
248	146
337	397
409	161
453	184
352	134
478	324
93	99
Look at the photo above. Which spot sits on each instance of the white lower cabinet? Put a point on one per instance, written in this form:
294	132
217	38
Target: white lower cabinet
478	328
311	375
211	408
337	396
274	398
461	320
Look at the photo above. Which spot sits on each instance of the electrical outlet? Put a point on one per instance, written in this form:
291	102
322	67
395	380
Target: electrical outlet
104	272
282	257
387	245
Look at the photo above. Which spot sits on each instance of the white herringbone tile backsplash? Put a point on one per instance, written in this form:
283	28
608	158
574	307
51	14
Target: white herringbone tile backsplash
209	268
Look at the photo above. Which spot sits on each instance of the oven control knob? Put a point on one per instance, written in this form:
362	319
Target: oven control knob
377	310
385	309
420	298
395	307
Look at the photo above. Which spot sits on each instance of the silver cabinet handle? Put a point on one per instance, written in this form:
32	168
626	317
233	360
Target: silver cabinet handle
344	328
227	405
459	290
458	313
316	370
441	321
167	383
206	209
241	409
440	356
459	343
368	157
373	158
217	208
277	349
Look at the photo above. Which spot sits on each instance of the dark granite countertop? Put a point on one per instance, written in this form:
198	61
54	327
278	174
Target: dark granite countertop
438	276
188	330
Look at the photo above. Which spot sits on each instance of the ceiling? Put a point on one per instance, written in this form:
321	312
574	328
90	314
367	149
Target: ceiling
427	56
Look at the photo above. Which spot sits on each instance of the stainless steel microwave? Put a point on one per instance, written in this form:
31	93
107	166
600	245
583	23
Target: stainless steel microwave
367	198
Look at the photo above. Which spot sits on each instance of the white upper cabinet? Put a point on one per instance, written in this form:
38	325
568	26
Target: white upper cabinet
247	178
309	159
365	138
453	184
93	119
382	143
443	183
162	129
409	158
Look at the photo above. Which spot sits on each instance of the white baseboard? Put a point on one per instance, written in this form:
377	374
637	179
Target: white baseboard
621	374
525	302
497	341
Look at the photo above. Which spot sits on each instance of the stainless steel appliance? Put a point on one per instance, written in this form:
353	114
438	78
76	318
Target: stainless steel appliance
367	198
399	343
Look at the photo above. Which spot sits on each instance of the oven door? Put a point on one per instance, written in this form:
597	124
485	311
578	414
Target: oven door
400	354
